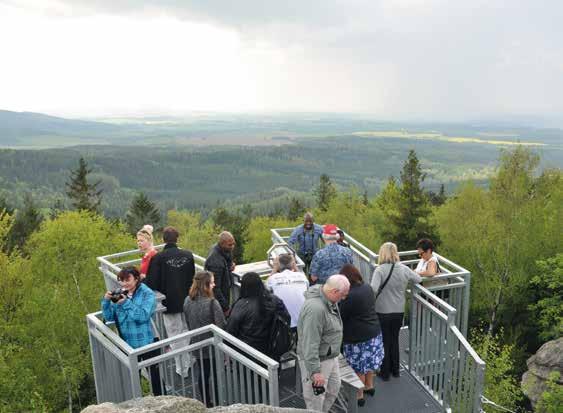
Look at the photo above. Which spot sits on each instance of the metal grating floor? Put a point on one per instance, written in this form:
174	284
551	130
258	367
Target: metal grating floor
398	395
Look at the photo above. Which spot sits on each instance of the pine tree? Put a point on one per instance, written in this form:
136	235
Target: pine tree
295	209
5	207
324	192
142	211
407	211
27	221
84	195
439	198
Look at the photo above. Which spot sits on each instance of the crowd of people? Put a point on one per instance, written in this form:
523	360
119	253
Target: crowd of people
330	308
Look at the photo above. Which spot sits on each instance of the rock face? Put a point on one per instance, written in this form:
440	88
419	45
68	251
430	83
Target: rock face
175	404
547	359
160	404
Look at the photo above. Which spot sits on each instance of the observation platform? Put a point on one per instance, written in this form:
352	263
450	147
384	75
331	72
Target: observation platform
440	372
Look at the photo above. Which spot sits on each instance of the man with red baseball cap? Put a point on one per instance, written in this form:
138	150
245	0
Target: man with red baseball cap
329	260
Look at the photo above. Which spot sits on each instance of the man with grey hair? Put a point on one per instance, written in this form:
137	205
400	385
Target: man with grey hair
289	284
305	239
220	263
331	258
320	336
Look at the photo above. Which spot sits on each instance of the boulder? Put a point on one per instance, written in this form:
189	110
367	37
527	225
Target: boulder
160	404
547	359
176	404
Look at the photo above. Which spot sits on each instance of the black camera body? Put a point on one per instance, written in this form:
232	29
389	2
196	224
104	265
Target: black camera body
318	390
116	295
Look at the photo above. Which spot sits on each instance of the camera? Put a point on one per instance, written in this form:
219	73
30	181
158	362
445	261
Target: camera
318	390
116	295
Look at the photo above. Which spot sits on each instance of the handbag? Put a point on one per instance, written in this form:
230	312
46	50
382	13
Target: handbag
385	282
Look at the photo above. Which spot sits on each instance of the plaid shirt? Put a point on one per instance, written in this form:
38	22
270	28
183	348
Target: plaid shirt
133	316
329	260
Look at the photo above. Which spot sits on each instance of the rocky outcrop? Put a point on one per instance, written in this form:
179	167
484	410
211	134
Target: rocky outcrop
547	359
175	404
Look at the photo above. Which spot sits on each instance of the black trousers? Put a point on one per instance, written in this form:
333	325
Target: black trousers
203	382
154	372
390	325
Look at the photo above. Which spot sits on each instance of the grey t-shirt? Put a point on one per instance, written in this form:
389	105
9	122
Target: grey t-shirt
392	298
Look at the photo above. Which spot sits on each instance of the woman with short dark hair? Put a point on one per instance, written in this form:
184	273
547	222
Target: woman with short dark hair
132	308
363	343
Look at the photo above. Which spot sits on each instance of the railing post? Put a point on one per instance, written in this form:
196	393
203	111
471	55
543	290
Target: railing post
220	369
466	295
273	386
135	377
451	353
412	331
479	387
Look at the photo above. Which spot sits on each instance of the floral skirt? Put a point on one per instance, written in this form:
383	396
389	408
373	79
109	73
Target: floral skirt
365	357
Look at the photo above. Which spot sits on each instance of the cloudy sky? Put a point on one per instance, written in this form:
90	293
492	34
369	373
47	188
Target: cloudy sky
395	59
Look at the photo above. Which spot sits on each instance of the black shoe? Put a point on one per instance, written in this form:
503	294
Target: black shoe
397	374
361	402
371	392
384	378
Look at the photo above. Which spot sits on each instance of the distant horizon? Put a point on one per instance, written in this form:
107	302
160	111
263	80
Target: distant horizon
516	121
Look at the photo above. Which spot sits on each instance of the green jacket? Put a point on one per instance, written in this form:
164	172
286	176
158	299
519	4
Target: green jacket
319	330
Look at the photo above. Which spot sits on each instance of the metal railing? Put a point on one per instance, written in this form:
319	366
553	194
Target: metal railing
440	357
237	372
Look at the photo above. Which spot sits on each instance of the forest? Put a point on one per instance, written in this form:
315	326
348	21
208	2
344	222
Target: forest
505	226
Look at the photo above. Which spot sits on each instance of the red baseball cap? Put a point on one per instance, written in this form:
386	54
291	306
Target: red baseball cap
330	229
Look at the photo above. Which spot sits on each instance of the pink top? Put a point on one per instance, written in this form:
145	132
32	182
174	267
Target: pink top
146	260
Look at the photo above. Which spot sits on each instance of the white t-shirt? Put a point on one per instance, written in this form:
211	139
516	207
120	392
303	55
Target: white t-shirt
423	265
428	281
290	287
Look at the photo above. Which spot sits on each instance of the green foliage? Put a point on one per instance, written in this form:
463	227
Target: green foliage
500	385
49	295
142	211
27	221
84	195
504	231
195	234
551	401
363	222
295	210
325	192
407	208
259	238
548	306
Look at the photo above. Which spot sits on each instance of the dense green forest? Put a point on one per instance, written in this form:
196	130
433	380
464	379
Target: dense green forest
507	230
189	177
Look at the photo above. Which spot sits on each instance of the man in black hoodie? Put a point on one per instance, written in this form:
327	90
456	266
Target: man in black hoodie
171	272
220	263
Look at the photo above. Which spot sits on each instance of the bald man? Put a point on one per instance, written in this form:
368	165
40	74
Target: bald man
320	335
220	263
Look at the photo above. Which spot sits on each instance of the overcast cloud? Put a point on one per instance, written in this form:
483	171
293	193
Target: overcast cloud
396	59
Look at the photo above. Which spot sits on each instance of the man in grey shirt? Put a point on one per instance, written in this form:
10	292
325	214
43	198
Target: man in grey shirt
389	282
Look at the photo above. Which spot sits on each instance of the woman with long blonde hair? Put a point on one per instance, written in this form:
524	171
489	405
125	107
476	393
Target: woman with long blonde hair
389	282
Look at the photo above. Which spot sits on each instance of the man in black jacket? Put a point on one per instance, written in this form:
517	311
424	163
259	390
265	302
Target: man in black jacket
220	263
171	272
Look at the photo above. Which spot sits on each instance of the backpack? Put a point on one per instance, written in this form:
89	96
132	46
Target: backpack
281	338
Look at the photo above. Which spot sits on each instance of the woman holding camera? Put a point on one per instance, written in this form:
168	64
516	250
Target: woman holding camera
131	308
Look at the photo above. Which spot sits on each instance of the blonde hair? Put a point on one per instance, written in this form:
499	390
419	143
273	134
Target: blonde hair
388	253
146	232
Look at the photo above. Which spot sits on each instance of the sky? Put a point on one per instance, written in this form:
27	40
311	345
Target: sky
441	60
